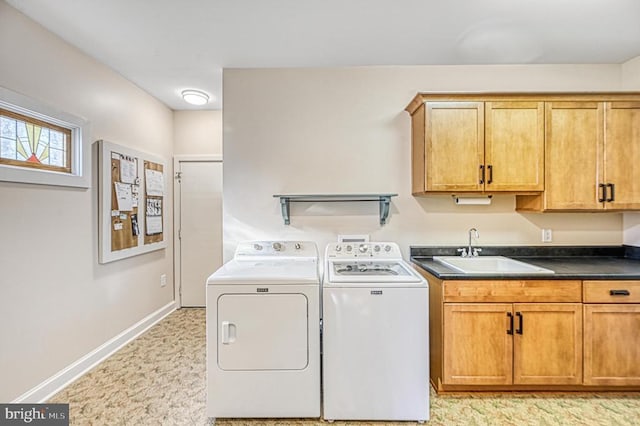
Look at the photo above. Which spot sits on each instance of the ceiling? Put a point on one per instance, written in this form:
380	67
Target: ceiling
166	46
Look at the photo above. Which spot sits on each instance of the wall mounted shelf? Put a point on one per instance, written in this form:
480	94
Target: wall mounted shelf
286	199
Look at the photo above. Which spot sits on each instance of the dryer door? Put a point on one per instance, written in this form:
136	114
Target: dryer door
262	332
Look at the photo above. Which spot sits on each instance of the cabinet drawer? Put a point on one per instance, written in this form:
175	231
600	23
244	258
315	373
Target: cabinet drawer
513	291
611	291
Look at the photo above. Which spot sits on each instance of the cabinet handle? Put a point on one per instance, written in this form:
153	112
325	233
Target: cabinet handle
612	192
520	323
619	293
603	192
510	330
490	168
481	174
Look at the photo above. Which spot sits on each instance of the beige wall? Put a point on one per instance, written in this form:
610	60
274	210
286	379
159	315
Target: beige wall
631	226
631	74
197	132
345	131
56	302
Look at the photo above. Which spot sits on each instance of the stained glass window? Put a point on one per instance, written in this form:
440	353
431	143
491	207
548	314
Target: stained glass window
28	142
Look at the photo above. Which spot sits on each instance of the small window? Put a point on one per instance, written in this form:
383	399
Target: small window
42	145
28	142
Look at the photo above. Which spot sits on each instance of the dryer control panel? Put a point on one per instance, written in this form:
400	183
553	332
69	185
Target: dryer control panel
371	250
277	249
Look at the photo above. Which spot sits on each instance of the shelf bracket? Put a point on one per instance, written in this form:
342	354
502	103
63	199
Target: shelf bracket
385	202
284	207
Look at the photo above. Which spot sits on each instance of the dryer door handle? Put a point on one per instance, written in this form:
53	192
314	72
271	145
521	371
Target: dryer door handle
228	332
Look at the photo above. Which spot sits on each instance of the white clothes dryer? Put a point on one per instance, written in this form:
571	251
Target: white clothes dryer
375	335
263	332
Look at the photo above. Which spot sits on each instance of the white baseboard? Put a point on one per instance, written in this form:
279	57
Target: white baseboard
54	384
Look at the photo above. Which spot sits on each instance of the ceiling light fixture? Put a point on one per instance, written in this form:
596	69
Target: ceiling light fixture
195	97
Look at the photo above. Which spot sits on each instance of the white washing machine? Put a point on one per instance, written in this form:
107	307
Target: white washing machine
375	335
263	332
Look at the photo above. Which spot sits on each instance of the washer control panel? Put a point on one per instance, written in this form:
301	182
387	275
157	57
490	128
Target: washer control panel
364	250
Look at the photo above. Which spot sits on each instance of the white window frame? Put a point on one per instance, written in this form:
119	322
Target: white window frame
80	175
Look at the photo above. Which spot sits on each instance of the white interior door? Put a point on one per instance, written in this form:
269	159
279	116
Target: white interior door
199	248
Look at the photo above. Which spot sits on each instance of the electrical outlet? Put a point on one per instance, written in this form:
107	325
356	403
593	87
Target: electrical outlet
547	235
163	280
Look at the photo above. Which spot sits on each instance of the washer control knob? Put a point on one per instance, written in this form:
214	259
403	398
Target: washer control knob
298	246
349	248
338	248
376	249
277	246
387	248
257	247
363	248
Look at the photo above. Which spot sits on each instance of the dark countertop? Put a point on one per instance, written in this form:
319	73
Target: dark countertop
575	262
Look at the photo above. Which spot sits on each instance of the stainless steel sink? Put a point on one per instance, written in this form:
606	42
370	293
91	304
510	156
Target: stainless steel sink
490	265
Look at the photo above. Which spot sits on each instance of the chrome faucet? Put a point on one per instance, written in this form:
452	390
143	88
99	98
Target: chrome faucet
473	251
470	251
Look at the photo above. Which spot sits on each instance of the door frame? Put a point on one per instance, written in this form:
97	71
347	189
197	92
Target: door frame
177	159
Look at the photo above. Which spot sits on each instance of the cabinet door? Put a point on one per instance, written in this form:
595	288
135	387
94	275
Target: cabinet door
477	347
611	345
547	344
573	155
514	146
622	154
454	146
418	176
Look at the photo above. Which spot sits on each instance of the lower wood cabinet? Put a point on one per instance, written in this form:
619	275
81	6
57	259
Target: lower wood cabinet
612	345
477	350
519	343
548	344
534	335
612	333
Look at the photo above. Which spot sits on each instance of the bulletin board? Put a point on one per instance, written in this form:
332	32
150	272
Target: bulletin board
132	202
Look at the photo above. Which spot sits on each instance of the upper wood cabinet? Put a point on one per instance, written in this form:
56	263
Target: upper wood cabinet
591	158
622	155
592	152
555	151
574	137
477	146
453	150
514	146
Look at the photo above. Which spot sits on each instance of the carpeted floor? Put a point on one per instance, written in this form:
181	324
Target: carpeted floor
159	379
